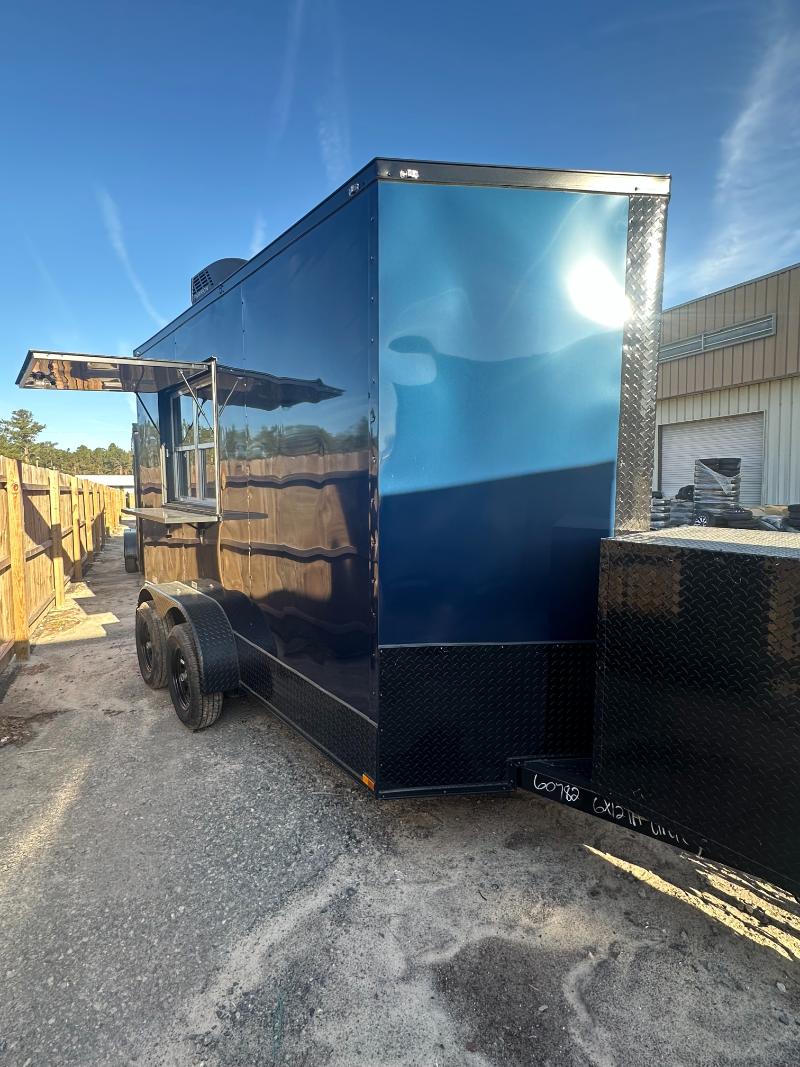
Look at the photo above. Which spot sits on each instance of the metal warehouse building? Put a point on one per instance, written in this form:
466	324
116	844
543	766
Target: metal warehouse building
729	385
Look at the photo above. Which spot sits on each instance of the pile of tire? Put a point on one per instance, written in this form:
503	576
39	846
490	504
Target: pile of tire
659	512
793	518
681	512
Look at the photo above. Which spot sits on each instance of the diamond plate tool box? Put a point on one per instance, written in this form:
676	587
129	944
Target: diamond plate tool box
698	696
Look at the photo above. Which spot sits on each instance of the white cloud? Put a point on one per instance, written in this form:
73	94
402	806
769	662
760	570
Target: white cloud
258	237
756	209
333	119
113	225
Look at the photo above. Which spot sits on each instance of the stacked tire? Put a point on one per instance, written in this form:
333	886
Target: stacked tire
793	518
659	512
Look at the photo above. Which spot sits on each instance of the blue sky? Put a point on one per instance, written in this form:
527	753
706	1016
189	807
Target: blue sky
140	141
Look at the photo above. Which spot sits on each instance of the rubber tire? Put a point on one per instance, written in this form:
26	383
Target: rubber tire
150	627
131	564
195	709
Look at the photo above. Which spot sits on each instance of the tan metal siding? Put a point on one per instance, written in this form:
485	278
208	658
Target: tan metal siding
753	361
780	401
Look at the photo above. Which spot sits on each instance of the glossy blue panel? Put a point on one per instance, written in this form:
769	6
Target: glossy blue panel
305	318
294	535
501	314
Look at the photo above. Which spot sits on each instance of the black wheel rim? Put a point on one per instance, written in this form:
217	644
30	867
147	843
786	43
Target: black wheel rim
145	647
180	677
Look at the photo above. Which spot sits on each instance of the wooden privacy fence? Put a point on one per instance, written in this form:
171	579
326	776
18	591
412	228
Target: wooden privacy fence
51	527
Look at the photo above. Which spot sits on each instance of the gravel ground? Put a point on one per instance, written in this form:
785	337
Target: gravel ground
230	898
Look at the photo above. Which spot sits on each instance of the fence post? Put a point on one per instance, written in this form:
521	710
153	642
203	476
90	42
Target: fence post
56	548
16	541
88	508
101	511
77	566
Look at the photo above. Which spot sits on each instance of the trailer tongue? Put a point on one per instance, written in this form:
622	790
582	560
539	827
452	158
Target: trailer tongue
374	470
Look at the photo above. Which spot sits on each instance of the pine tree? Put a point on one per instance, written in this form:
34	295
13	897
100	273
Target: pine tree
19	439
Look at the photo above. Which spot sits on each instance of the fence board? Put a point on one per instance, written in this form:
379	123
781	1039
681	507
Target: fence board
39	592
51	527
6	576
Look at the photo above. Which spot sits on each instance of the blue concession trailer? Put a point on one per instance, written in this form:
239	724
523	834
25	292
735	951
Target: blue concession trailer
375	465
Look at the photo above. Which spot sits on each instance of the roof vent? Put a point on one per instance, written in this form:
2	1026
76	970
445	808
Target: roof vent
213	275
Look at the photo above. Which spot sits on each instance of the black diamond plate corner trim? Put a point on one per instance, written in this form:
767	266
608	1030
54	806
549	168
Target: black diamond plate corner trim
452	716
644	276
338	730
698	700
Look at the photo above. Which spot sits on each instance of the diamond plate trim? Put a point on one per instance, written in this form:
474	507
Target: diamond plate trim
452	716
722	539
644	277
340	731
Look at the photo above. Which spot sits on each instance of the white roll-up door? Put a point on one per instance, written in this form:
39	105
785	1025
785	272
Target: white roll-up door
739	436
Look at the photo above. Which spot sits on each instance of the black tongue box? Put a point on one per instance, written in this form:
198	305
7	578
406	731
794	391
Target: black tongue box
698	700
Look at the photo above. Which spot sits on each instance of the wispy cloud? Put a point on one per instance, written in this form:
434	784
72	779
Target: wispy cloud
756	210
258	238
113	225
282	106
333	118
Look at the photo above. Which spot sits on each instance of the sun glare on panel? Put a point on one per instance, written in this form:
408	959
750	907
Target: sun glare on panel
596	294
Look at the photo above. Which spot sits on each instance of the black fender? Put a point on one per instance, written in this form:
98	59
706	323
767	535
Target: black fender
213	635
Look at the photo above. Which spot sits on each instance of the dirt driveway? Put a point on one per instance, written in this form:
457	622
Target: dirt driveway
229	898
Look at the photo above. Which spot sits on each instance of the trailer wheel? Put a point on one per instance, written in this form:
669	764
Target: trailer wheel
151	645
194	708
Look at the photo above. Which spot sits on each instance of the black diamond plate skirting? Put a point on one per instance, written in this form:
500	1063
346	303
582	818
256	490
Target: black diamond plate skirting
452	716
698	716
339	730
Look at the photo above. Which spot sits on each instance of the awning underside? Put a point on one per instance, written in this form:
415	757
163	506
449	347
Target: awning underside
97	373
126	374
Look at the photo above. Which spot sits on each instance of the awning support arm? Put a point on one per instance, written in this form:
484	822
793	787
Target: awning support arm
233	389
196	401
147	413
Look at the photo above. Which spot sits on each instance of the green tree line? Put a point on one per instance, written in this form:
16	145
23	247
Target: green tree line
20	438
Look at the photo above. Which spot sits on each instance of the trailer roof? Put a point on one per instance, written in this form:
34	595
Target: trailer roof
624	183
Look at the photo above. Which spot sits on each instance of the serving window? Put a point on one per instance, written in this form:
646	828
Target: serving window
191	445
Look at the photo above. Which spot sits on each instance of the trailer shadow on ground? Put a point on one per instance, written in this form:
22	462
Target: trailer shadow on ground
230	898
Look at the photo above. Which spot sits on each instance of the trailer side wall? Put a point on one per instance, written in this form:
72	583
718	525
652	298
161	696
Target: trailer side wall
290	558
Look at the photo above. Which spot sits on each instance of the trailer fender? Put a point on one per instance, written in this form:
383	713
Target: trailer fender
211	631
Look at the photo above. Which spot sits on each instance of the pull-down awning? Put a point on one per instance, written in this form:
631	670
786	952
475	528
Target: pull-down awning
97	373
125	374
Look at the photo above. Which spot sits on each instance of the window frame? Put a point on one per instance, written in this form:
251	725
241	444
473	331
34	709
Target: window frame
197	448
